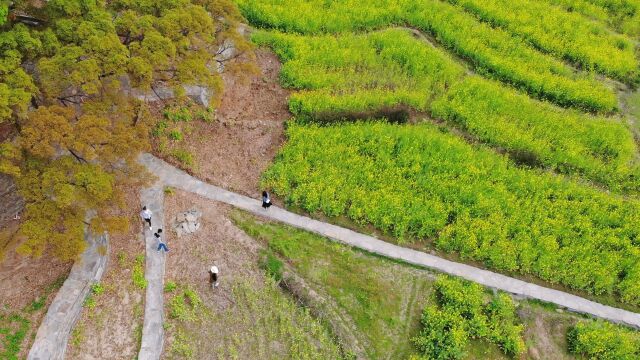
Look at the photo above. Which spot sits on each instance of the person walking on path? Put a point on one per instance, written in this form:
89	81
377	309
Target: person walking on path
213	277
161	244
145	214
266	200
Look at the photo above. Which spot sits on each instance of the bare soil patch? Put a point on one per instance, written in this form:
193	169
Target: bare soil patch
217	242
110	326
247	316
234	150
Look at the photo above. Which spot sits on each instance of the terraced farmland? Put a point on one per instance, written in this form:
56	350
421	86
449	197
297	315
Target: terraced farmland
532	167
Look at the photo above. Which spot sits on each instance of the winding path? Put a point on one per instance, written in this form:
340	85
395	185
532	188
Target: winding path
174	177
54	331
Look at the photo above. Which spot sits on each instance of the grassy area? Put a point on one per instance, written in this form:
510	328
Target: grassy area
18	326
385	298
261	323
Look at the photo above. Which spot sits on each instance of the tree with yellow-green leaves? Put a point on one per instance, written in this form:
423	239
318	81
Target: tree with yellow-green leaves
78	136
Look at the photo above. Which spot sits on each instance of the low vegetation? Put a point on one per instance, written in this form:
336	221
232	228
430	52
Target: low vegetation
261	323
19	326
622	16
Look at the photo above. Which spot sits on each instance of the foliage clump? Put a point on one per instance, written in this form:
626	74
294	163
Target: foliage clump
600	340
460	313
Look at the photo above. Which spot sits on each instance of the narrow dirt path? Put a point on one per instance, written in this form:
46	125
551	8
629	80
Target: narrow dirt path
55	330
174	177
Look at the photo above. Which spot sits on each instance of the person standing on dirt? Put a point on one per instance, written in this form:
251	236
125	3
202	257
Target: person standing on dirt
145	214
213	277
161	244
266	200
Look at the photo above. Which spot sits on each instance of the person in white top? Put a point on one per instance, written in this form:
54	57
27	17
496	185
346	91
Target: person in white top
146	215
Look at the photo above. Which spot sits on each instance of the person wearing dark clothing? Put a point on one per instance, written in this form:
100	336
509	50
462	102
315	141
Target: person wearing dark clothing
266	200
213	276
161	244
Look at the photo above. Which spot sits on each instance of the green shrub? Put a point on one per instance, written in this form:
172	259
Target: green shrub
184	305
272	265
137	275
160	128
97	289
170	286
179	114
600	340
183	156
176	135
462	313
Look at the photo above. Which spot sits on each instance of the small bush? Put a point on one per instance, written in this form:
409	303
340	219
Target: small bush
181	114
184	305
183	156
137	276
97	289
600	340
160	128
272	265
462	313
90	302
205	115
176	135
37	304
170	286
168	190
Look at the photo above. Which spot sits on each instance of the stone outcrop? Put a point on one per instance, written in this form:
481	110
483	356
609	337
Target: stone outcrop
187	222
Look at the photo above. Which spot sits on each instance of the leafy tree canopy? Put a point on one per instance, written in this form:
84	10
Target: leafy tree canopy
60	85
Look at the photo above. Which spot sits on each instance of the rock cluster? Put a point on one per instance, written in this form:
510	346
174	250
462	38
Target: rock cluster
187	222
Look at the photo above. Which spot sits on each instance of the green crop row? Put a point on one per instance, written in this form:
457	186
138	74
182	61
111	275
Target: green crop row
496	53
416	182
621	15
352	74
567	35
493	52
378	74
536	133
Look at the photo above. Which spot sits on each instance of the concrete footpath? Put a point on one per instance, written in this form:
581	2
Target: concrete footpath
152	329
171	176
54	331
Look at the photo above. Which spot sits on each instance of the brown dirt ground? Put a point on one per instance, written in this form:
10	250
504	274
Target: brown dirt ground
24	280
217	242
111	330
233	151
